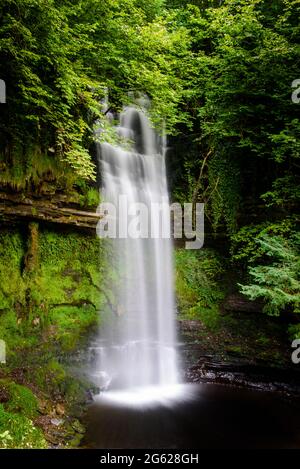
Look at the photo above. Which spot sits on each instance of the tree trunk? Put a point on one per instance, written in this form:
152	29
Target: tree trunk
31	257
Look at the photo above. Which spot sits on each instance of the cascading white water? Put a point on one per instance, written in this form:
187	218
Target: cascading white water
137	348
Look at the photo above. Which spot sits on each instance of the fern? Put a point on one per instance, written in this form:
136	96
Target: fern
278	283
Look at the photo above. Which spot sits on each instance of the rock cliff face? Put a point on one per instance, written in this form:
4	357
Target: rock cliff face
238	302
54	209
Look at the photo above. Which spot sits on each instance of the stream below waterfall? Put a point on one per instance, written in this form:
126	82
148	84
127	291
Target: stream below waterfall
206	416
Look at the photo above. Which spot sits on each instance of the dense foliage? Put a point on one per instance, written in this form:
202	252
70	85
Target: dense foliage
223	75
277	282
59	59
244	164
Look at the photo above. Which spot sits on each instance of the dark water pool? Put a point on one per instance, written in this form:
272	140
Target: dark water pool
200	416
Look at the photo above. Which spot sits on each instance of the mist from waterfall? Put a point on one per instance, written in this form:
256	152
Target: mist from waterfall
136	346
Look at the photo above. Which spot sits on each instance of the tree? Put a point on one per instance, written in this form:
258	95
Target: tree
244	59
59	59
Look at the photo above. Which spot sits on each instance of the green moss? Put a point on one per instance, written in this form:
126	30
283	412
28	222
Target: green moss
12	287
56	372
90	198
20	406
50	377
34	168
210	316
54	379
16	333
263	340
45	312
235	350
57	247
69	323
18	431
59	300
20	399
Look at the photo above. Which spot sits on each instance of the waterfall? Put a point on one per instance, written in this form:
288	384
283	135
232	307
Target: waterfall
136	348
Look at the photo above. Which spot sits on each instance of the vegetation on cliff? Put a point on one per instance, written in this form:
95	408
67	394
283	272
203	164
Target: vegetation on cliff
244	159
49	302
221	75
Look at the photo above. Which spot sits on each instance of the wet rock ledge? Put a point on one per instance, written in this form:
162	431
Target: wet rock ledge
206	359
280	380
55	209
